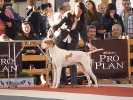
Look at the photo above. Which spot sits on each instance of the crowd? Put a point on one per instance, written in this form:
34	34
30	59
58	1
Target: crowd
65	25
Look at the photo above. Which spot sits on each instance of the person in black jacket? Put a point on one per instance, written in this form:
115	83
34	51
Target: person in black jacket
27	33
33	16
69	27
17	18
111	18
45	23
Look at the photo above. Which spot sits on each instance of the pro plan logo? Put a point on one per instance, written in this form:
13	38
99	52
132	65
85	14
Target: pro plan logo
5	62
109	60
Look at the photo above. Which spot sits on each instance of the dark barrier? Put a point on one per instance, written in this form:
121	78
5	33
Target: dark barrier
4	58
112	62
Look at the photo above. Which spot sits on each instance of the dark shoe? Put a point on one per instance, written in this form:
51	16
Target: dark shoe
61	86
75	86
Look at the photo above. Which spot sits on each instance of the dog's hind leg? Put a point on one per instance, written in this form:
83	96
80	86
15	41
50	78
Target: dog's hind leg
89	71
86	74
93	76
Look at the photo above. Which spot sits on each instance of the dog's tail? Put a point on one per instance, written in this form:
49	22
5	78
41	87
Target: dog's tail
95	51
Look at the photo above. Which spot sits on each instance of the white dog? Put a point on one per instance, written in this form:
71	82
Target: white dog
63	58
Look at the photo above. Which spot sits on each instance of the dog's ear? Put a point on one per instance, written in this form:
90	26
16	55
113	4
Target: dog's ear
52	43
49	42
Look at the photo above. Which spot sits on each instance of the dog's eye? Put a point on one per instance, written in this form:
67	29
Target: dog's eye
44	41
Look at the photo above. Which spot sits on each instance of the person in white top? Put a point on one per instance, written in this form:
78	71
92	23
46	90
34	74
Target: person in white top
58	16
50	14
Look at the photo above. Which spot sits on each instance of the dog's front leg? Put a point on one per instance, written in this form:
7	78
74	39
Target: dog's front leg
55	77
58	76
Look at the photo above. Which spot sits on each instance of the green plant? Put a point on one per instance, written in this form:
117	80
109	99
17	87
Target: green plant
35	79
23	74
3	76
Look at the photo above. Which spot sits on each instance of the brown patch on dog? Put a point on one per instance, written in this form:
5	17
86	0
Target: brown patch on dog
68	56
50	42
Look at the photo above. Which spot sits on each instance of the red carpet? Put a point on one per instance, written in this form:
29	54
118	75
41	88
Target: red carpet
101	90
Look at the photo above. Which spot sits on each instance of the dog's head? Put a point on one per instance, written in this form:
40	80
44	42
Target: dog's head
47	42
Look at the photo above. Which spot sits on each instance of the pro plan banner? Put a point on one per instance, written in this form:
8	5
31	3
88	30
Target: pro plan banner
112	62
4	58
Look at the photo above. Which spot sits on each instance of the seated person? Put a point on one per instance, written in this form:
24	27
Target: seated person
116	32
27	33
91	32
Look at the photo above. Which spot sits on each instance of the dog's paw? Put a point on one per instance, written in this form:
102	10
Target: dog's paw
52	87
96	86
56	87
88	86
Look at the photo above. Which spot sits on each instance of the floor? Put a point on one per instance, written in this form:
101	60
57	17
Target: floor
103	92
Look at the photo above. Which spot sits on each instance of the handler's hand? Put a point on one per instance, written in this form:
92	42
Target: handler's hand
51	31
92	48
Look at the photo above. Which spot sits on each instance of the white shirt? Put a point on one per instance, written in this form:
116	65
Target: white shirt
68	38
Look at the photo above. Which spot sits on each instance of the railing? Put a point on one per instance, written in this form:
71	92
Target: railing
44	70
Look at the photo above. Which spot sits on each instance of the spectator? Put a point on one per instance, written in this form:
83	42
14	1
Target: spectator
50	14
45	22
67	5
17	18
58	16
7	22
102	9
91	32
33	16
127	17
95	18
116	32
62	9
27	33
111	18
